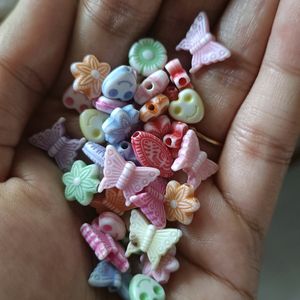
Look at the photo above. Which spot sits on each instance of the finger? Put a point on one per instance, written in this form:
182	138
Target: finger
244	29
32	40
107	28
263	136
176	17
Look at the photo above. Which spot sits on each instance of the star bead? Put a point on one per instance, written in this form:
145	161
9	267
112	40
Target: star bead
81	182
180	203
89	76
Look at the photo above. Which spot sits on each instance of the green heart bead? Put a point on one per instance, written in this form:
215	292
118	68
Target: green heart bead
143	287
188	108
91	121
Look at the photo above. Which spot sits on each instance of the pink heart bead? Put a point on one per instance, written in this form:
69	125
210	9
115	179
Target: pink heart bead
159	126
153	85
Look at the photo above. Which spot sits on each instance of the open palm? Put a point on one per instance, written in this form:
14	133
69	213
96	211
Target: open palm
252	105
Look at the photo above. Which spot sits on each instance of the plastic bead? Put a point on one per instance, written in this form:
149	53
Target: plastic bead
108	105
81	182
77	101
106	275
89	76
173	139
180	202
91	121
188	108
112	224
168	264
151	202
153	85
147	238
126	150
202	45
171	92
154	108
177	73
159	126
193	161
143	287
120	84
61	148
120	123
150	151
147	56
125	175
104	246
114	200
95	153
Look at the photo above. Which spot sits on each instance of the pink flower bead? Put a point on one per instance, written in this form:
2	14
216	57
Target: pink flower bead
153	85
159	126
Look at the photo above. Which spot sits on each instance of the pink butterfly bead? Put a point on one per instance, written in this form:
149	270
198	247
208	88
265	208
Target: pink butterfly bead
193	161
173	139
150	151
153	85
159	126
104	246
125	175
202	45
151	202
178	75
168	264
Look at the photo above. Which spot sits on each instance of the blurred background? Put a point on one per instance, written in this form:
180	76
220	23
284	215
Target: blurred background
281	267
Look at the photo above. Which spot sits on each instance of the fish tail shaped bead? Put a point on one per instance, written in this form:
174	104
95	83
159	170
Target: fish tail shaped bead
177	73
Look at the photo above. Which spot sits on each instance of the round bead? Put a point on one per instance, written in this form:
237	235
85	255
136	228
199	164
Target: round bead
147	56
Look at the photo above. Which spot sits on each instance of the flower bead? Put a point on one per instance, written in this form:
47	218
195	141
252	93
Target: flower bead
147	56
180	203
120	123
81	182
89	76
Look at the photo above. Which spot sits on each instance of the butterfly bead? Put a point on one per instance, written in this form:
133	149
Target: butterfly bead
61	148
120	123
125	175
147	238
151	202
202	45
106	275
193	161
104	246
95	153
168	264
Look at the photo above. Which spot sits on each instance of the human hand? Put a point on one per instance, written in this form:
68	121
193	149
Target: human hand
252	105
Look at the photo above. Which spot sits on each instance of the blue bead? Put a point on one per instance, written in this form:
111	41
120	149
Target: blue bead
120	123
121	84
126	150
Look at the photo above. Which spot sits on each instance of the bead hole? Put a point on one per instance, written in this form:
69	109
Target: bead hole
124	145
151	107
182	81
188	98
149	86
177	110
168	141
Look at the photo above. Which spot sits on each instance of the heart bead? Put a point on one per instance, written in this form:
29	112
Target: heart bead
150	151
120	84
188	108
91	121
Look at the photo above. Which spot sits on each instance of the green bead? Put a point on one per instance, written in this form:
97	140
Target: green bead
147	56
143	287
91	121
81	182
188	108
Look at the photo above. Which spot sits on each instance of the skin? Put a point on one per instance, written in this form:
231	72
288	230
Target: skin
252	105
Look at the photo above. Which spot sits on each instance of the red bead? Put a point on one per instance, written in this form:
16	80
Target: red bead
159	126
173	139
177	73
171	92
150	151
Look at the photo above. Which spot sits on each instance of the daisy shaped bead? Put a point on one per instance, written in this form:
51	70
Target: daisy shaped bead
81	182
147	56
120	123
89	76
180	203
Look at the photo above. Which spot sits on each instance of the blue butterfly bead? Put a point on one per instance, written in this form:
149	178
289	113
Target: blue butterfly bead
120	123
95	153
106	275
126	150
121	84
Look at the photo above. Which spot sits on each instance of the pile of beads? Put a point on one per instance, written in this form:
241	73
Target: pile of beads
135	122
